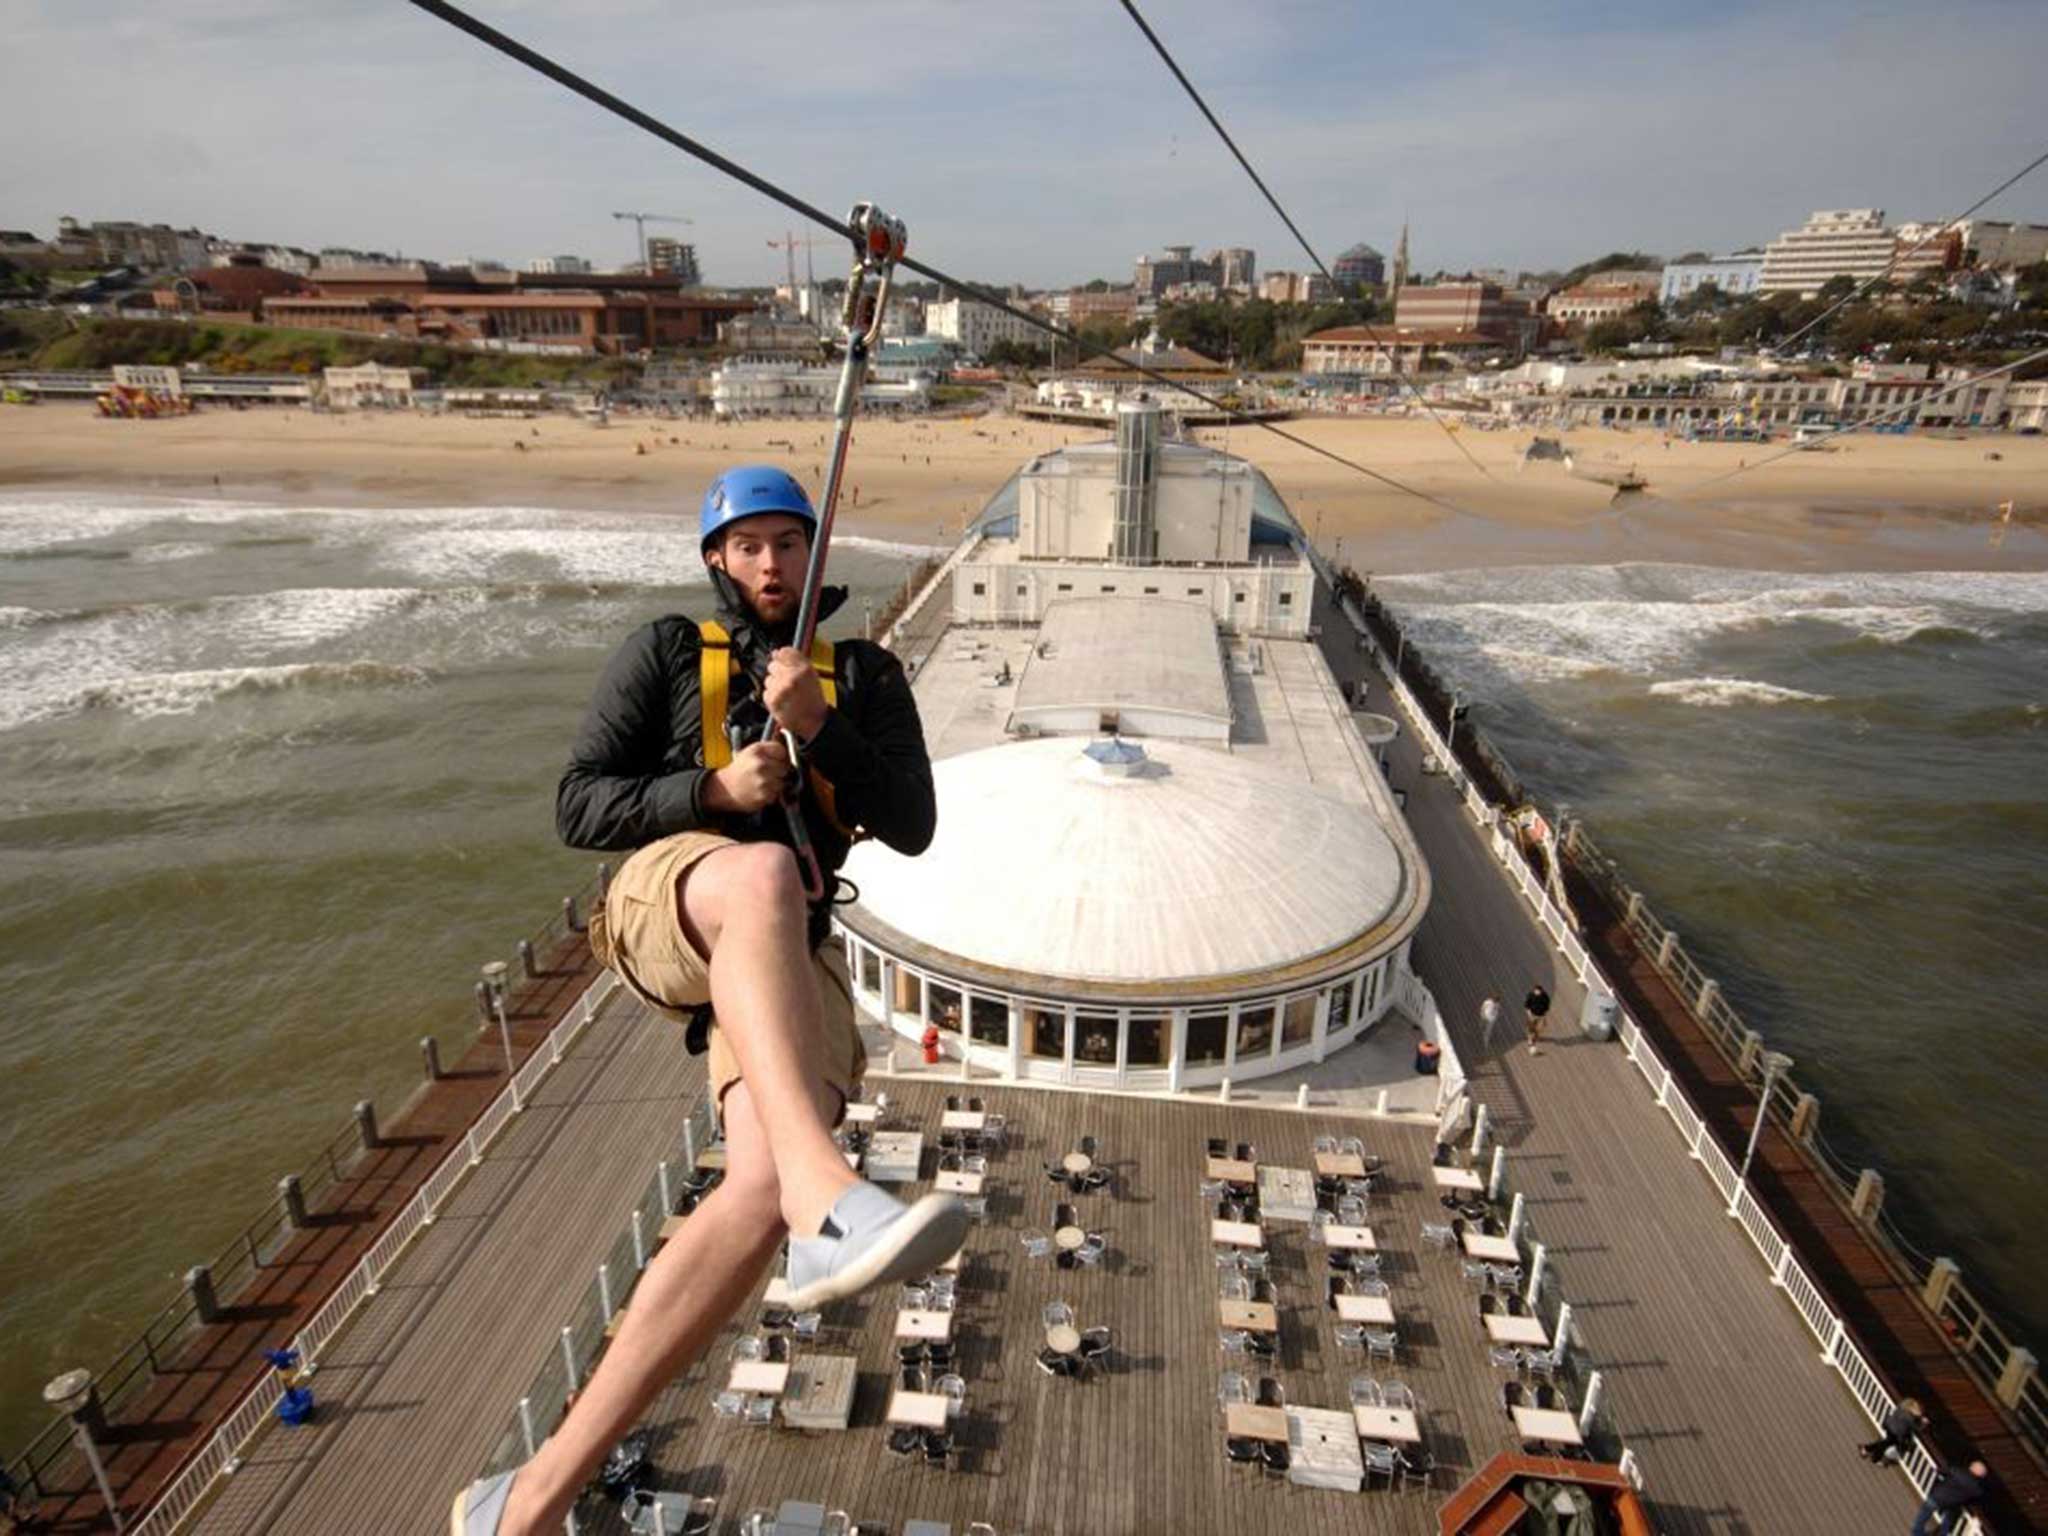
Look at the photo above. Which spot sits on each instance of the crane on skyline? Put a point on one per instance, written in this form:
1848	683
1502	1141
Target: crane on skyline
642	220
787	245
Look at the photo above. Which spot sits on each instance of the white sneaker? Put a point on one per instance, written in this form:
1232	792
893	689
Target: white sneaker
870	1238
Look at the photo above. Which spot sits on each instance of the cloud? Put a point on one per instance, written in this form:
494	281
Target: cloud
1042	143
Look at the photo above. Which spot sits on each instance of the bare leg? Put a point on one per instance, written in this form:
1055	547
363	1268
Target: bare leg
744	907
689	1290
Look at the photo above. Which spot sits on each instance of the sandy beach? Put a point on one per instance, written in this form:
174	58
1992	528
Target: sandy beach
1868	501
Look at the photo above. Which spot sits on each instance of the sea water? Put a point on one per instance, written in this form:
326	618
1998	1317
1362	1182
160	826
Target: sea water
1832	786
275	779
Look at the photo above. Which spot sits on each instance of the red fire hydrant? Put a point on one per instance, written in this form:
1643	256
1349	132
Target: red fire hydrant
931	1045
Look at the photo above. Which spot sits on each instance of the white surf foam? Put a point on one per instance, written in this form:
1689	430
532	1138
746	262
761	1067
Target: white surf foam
1727	692
184	693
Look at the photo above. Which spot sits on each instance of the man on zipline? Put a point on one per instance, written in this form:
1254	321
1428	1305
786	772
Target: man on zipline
711	908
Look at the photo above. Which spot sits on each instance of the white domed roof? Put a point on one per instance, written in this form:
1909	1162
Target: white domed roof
1190	864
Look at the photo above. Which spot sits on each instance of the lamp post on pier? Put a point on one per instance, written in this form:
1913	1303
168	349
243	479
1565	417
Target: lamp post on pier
494	978
72	1394
1775	1063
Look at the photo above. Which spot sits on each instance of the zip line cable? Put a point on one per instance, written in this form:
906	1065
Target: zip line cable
541	64
1259	182
1926	240
1851	426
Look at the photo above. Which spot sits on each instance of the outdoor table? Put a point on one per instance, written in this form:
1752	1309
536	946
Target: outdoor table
926	1528
959	1183
1495	1250
1340	1165
1323	1450
777	1294
1358	1239
1077	1162
765	1377
921	1410
963	1120
894	1156
1069	1238
862	1114
918	1323
1457	1178
1249	1421
1063	1339
820	1392
1251	1316
1237	1234
1552	1424
712	1156
1395	1425
1503	1329
1365	1309
1231	1171
1286	1194
670	1226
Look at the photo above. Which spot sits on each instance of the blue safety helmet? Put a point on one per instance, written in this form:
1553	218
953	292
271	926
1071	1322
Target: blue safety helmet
749	491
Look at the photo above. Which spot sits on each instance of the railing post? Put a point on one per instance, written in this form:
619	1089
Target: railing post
366	1124
1634	914
604	1290
1498	1176
604	881
527	967
1805	1117
569	1358
1752	1048
569	917
1223	1091
476	1154
1515	1214
1835	1333
1534	1294
1941	1279
2020	1369
639	1242
1479	1130
526	1425
1594	1384
668	1200
484	1016
1869	1197
430	1053
199	1282
294	1198
1667	949
1710	989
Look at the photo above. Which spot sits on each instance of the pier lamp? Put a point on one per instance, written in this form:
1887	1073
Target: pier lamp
72	1394
1775	1064
494	975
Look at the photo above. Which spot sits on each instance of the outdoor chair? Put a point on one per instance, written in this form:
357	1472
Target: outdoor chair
1255	1261
760	1412
1094	1179
1231	1387
1547	1396
976	1106
1437	1236
1264	1345
1366	1392
1093	1247
1064	1258
777	1317
1271	1393
914	1298
977	1207
911	1353
903	1440
1379	1460
837	1523
1095	1343
1329	1184
1398	1394
938	1446
1516	1306
953	1103
1085	1146
1506	1277
1063	1215
1510	1397
1211	1189
1476	1272
1275	1456
954	1390
1218	1147
1036	1244
995	1131
939	1352
728	1405
978	1528
746	1347
757	1522
1504	1357
1226	1257
1371	1287
1489	1304
1457	1229
806	1324
1333	1287
1441	1155
1417	1466
1242	1451
1247	1153
1351	1335
1351	1211
974	1162
1057	1313
1540	1364
1352	1146
1234	1341
1326	1146
1365	1266
1380	1342
777	1351
911	1377
1262	1291
1233	1286
1054	1174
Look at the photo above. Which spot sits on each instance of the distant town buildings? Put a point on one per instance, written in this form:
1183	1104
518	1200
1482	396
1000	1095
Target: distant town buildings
548	266
1592	301
119	243
975	327
1359	266
1837	242
1735	276
1481	308
1236	267
1077	307
1177	272
673	258
1296	288
2004	246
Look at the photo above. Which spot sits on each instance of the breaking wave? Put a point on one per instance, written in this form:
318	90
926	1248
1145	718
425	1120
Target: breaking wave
183	693
1727	692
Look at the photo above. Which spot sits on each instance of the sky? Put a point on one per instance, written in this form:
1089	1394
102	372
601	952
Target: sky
1039	142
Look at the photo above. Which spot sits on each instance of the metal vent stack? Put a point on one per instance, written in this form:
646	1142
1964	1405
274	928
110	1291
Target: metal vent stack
1134	538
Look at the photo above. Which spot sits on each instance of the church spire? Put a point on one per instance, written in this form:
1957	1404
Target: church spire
1400	268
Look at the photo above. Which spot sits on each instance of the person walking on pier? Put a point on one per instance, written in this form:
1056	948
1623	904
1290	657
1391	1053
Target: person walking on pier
708	923
1899	1427
1949	1496
1489	1015
1535	1007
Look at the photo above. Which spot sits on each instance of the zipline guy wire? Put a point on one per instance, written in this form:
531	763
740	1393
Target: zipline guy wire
541	64
1898	410
1265	191
1925	241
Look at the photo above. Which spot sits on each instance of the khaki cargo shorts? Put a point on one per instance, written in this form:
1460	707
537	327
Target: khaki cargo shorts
637	931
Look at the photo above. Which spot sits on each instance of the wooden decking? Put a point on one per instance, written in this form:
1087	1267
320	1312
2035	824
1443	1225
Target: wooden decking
156	1431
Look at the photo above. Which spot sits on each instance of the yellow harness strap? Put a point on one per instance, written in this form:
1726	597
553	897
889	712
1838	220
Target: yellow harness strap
714	692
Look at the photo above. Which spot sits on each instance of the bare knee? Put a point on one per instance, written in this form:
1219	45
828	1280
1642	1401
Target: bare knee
766	873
